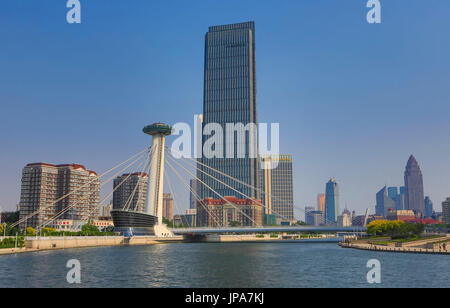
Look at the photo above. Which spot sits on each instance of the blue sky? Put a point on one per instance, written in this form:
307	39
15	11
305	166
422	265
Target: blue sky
353	100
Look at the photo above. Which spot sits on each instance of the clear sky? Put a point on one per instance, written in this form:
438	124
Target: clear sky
353	100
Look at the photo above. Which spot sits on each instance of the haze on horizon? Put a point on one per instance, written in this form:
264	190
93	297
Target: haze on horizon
353	100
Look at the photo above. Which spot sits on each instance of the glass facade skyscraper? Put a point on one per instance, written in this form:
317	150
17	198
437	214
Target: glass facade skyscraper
230	97
331	201
385	201
428	207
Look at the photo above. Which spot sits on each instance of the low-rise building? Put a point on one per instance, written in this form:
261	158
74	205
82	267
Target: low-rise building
403	215
225	212
344	220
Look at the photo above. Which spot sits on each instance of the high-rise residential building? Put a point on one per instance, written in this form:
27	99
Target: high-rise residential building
230	97
384	203
194	193
277	186
43	184
331	202
168	206
223	213
131	193
86	183
428	207
321	202
446	211
414	187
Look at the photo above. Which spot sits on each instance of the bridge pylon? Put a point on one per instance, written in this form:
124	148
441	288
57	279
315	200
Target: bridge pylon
154	201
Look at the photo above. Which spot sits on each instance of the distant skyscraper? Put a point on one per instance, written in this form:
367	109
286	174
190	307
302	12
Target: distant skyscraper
399	198
428	207
277	187
331	201
446	211
321	202
168	206
230	97
384	203
414	187
392	192
193	198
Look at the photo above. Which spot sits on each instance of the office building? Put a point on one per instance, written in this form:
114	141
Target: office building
43	184
313	217
277	187
384	203
414	188
321	202
331	202
168	207
428	207
132	192
194	193
446	212
230	97
228	212
403	215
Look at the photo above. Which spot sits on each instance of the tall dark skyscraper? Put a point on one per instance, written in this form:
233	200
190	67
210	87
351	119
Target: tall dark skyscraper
415	199
230	97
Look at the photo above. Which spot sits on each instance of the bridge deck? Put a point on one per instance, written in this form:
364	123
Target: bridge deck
267	229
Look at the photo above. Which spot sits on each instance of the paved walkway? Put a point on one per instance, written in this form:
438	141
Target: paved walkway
366	246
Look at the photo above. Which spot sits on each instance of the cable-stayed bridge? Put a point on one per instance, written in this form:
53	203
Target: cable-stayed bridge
129	221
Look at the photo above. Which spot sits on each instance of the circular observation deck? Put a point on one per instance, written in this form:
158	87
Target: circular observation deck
158	129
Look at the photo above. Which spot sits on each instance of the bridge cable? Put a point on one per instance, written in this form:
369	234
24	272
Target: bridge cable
218	194
74	191
246	184
197	197
147	165
239	192
115	188
174	198
76	203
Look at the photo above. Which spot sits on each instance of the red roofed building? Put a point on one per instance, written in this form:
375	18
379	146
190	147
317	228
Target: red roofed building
44	184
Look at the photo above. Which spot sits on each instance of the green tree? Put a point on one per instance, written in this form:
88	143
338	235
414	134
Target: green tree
89	230
235	224
31	231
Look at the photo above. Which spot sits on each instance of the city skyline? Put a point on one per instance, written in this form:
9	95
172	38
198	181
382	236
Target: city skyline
289	91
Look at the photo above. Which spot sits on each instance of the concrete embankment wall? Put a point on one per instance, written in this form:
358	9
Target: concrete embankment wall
215	238
72	242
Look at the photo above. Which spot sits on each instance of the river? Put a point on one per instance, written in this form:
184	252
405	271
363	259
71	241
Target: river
246	265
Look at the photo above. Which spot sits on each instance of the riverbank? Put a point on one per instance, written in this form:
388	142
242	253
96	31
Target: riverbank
35	244
424	246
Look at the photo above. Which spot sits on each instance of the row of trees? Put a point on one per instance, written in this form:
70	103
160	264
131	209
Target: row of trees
86	230
395	229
